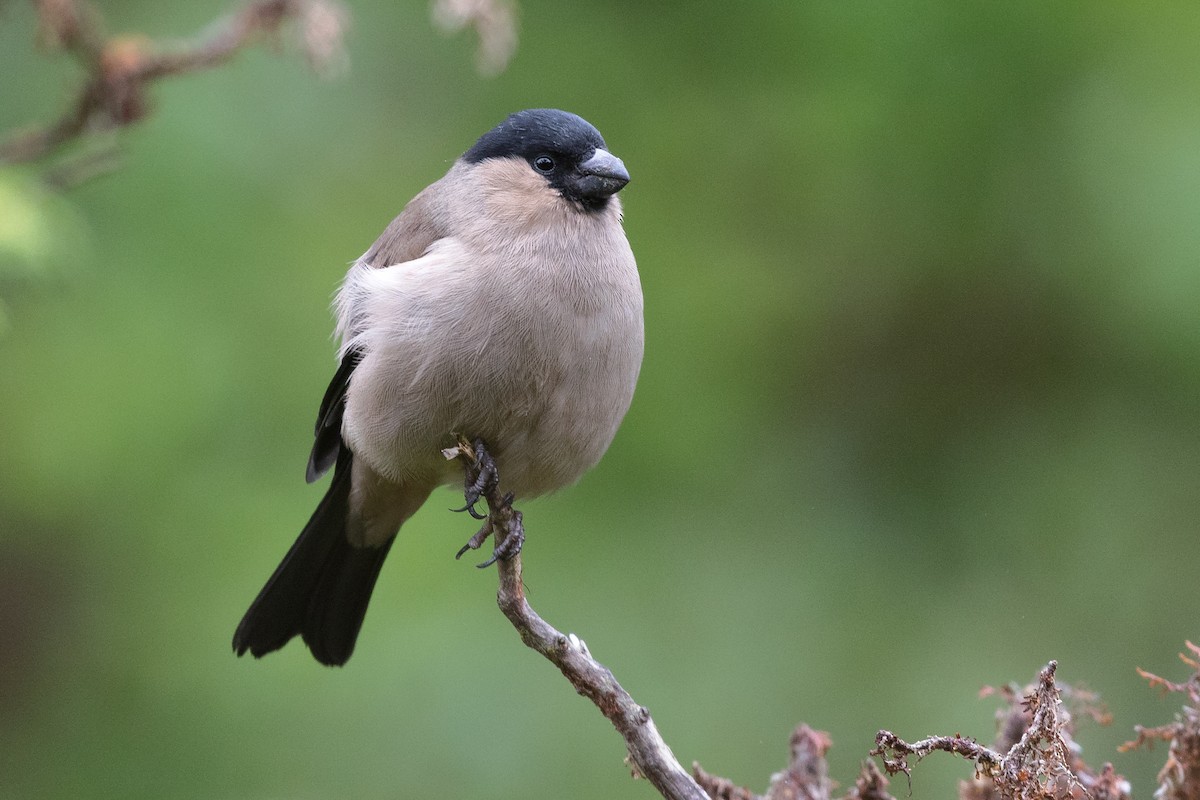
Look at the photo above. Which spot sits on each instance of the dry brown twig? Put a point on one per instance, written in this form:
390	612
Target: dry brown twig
1034	757
719	788
805	778
1040	760
119	70
807	774
1179	778
649	755
871	784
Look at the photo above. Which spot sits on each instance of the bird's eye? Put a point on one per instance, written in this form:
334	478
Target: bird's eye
543	164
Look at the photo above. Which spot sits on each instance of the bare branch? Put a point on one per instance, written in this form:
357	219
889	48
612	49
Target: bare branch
320	23
1040	761
649	754
807	775
1179	778
871	784
121	69
1108	785
987	761
719	788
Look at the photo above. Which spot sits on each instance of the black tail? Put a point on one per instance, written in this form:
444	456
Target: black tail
321	588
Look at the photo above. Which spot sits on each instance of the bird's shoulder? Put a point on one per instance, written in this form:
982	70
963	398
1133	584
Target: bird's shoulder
422	222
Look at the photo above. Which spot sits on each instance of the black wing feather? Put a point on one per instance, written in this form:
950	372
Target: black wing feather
328	431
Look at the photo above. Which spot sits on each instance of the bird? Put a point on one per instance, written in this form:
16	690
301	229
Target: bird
502	306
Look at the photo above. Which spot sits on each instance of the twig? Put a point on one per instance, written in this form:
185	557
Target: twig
1039	764
987	761
719	788
805	778
871	784
1179	778
121	69
807	775
649	754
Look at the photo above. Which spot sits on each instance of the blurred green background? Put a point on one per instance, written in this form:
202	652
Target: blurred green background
920	408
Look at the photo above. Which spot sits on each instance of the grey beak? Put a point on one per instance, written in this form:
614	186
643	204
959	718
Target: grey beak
602	175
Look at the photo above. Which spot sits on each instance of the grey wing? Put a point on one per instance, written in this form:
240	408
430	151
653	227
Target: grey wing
407	237
419	225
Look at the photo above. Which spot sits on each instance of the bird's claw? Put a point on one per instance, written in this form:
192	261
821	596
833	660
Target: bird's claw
509	546
476	541
481	478
470	509
512	543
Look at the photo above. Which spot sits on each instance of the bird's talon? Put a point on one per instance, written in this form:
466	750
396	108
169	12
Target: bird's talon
476	541
481	481
470	509
480	478
512	543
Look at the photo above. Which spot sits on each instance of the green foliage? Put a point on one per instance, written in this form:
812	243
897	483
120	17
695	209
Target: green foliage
42	236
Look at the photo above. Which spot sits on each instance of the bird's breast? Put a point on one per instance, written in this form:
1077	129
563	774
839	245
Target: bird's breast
568	348
532	343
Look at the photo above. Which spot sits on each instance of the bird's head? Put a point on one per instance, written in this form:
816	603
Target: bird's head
562	148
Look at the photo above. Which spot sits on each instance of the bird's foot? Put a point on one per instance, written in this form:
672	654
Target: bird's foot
482	483
481	479
514	537
476	541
